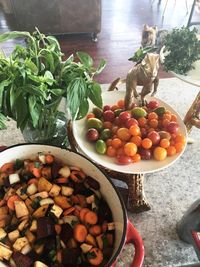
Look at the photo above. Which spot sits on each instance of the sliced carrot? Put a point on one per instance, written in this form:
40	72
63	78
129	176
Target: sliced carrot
95	230
77	211
36	172
77	176
68	211
33	181
91	217
80	233
97	259
82	213
7	167
11	200
49	158
59	256
58	229
62	180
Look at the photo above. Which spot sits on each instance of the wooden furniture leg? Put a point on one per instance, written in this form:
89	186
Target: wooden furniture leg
136	196
192	116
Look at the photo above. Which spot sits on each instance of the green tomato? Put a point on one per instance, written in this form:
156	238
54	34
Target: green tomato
105	134
100	147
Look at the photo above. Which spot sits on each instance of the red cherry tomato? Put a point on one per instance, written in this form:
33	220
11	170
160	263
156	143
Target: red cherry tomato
153	104
154	137
124	116
123	160
131	122
109	115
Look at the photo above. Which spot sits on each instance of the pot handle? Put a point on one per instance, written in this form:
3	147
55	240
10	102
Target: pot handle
2	148
133	237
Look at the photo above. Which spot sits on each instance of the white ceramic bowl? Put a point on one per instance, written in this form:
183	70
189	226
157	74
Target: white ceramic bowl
125	231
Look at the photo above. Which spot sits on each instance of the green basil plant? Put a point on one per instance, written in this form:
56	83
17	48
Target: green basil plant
34	79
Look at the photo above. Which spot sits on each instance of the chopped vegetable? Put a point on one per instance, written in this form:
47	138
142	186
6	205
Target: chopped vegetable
44	224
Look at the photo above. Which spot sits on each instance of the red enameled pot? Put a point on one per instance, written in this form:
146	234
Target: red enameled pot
125	232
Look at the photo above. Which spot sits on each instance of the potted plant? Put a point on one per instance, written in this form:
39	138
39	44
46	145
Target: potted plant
35	78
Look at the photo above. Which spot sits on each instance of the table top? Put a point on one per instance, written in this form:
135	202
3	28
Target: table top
169	192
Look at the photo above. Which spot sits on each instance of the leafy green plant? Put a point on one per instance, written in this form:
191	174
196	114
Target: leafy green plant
183	49
140	54
34	79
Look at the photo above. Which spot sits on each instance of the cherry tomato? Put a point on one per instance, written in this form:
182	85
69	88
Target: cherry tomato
136	158
160	153
106	107
92	135
146	143
134	130
153	104
109	115
123	134
144	153
131	122
172	127
154	137
123	160
116	143
164	143
136	140
124	116
120	103
130	149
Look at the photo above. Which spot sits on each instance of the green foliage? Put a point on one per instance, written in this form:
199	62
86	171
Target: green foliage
184	49
34	79
141	53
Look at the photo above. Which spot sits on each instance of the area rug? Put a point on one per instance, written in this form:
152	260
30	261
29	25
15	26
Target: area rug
170	192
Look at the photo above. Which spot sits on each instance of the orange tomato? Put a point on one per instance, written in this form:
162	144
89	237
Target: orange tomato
160	153
134	130
136	158
152	115
164	143
111	151
153	123
171	151
146	143
130	149
123	134
173	117
120	103
116	143
180	138
142	121
165	122
167	116
136	140
179	146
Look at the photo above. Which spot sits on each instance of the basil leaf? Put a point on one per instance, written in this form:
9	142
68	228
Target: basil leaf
12	35
57	92
31	66
85	59
73	97
2	119
83	109
34	110
95	95
69	60
48	77
101	66
21	110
